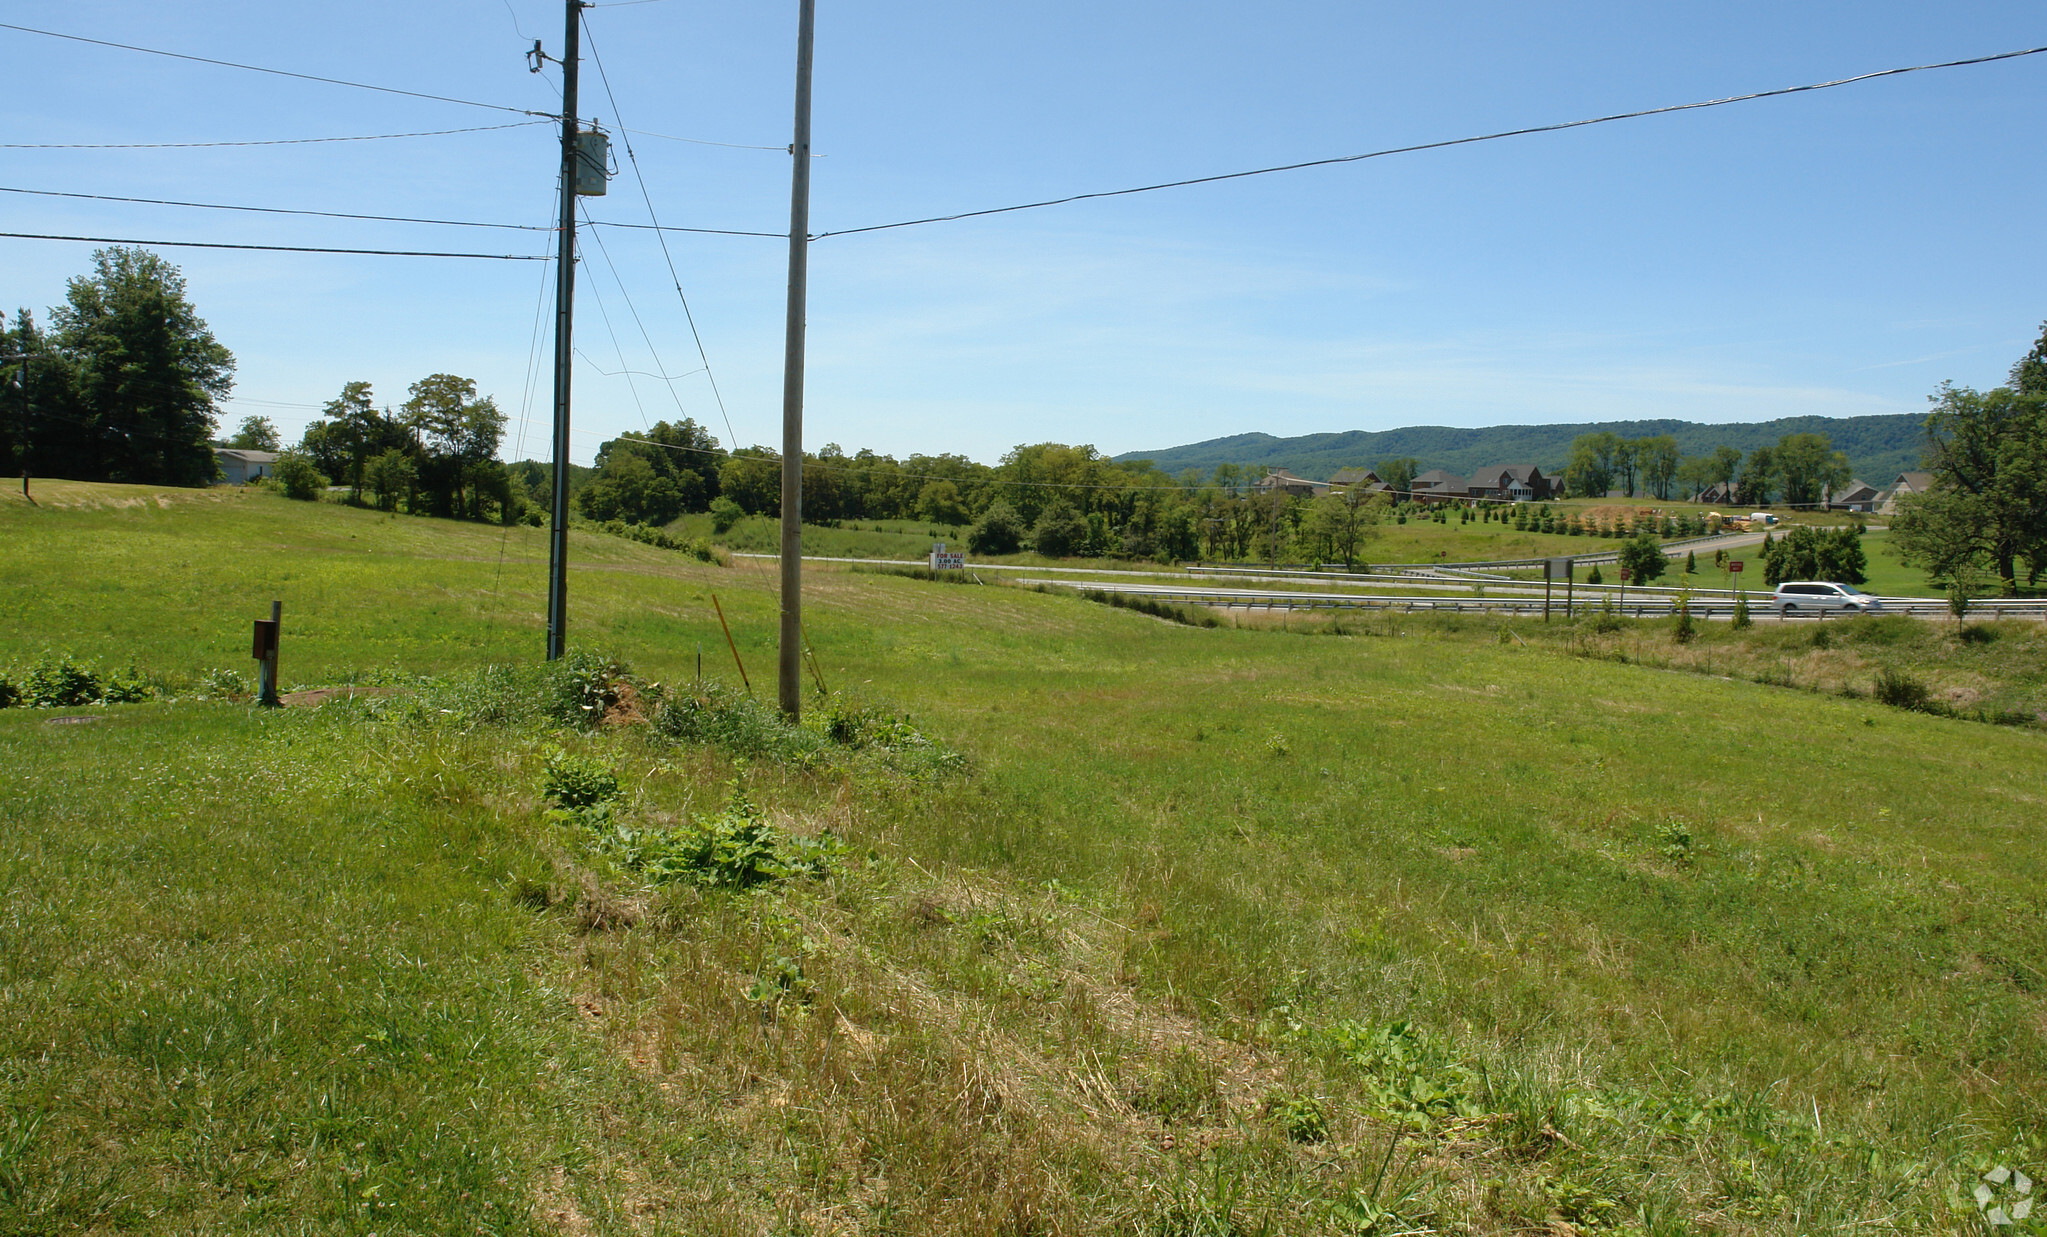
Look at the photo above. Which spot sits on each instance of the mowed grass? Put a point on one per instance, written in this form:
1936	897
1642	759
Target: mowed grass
1727	958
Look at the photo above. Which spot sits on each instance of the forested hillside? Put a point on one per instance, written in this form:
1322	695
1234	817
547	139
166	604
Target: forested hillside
1878	448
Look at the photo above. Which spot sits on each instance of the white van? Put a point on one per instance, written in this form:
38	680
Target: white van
1817	597
1761	517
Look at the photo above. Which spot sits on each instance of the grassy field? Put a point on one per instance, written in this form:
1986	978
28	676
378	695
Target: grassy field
1428	927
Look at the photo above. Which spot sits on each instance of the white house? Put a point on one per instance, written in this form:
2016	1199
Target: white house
239	467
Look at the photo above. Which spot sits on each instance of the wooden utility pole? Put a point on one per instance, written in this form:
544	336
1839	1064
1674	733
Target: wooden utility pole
564	346
790	648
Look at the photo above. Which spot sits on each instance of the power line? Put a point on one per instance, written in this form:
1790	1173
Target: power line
280	141
257	68
333	214
669	227
644	334
274	210
669	258
699	141
1460	141
381	253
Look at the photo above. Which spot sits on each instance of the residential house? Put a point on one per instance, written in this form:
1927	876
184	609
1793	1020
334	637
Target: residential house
1438	486
1907	483
1358	480
1718	494
1521	483
1855	496
239	467
1282	481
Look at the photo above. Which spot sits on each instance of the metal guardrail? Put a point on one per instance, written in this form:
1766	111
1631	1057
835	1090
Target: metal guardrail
1645	607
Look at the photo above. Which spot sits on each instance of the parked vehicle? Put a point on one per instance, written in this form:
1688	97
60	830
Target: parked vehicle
1818	596
1761	517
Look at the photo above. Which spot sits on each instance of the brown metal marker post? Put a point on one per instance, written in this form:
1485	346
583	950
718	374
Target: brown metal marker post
263	648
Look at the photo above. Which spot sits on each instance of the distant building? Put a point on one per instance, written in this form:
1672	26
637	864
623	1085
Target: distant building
1521	483
239	467
1854	496
1358	481
1720	493
1438	486
1284	482
1907	483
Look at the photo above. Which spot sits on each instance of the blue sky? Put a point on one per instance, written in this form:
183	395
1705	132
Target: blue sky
1838	253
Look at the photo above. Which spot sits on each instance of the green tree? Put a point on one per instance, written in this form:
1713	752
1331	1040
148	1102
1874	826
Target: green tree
1758	478
1061	532
1000	530
255	434
389	474
1398	473
295	472
1642	558
1591	471
148	372
1658	458
42	427
1809	466
940	502
457	433
753	479
1987	505
1339	524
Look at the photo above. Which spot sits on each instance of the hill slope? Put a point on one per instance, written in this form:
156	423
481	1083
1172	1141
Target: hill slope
1209	919
1878	448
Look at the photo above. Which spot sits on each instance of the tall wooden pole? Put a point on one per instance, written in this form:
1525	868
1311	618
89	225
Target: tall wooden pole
790	662
564	345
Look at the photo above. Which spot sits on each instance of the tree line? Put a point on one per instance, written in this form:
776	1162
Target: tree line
122	385
1802	468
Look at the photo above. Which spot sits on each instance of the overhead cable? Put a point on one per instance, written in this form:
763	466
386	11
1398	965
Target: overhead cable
275	210
276	141
333	214
675	279
381	253
257	68
1459	141
699	141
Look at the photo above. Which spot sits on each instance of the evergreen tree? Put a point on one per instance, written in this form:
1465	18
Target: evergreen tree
147	374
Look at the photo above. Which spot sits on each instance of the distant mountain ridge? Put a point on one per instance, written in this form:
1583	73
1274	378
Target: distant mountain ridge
1878	447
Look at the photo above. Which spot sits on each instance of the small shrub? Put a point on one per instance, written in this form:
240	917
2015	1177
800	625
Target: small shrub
573	782
736	849
1674	841
1277	746
722	716
1822	637
1901	690
126	686
1978	634
1687	627
1303	1118
724	514
1595	577
1407	1073
224	684
297	476
59	682
1742	618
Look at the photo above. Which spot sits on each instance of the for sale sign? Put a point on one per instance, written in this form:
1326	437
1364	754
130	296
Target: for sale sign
941	560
